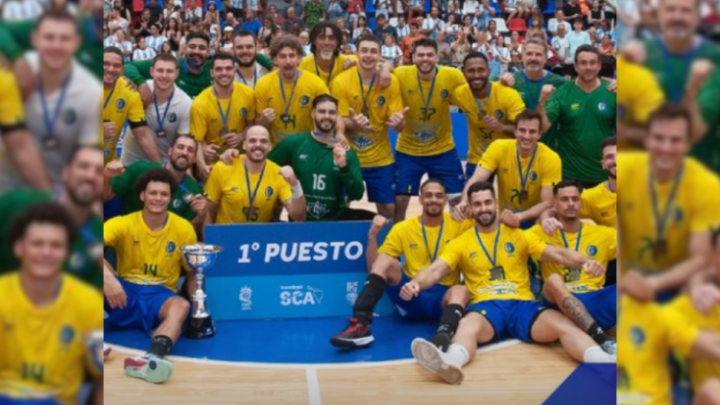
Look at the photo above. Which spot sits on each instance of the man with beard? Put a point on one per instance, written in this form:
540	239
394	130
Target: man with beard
426	145
444	302
490	108
586	111
284	97
142	293
262	185
368	117
169	114
52	109
580	296
669	206
493	260
188	202
220	113
326	61
195	73
121	104
82	189
248	69
526	172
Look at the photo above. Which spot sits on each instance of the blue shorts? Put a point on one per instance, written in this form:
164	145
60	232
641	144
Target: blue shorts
15	401
511	319
601	305
426	306
143	307
445	167
380	182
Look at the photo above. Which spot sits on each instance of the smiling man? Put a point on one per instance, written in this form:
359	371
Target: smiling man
326	61
248	69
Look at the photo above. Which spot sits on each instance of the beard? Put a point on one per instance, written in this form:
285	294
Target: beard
81	199
325	125
481	86
250	157
249	62
433	210
611	172
175	163
486	219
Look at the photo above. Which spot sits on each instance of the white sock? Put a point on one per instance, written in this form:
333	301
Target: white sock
595	354
457	355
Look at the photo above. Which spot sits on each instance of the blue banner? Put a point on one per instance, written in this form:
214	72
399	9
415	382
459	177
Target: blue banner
283	270
589	384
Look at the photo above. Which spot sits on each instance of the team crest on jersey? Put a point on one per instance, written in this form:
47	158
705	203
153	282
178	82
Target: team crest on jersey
243	112
473	255
67	334
575	106
172	117
69	117
170	247
510	248
444	94
602	106
533	175
177	203
362	142
499	115
637	336
304	100
413	246
120	104
592	250
381	101
268	192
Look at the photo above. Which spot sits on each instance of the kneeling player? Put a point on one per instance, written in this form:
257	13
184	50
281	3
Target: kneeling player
49	319
142	293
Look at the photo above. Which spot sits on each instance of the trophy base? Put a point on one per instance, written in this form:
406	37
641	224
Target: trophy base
200	328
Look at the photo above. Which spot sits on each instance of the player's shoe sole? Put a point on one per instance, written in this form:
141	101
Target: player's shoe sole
430	357
346	343
151	369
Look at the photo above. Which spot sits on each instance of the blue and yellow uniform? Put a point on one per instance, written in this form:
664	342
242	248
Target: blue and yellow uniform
426	144
12	111
637	101
209	114
494	266
308	64
121	104
600	204
419	246
372	145
149	266
45	353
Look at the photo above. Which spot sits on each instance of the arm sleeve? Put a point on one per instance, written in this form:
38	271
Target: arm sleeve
213	187
392	245
514	104
184	127
124	184
491	157
12	113
139	72
264	61
91	123
396	101
15	38
707	200
535	246
282	152
137	111
198	123
552	170
452	254
112	232
337	90
681	333
709	100
260	98
552	109
612	245
352	178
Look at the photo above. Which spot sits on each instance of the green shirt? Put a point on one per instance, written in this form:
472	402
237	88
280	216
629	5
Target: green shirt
124	187
86	251
191	83
15	40
323	183
708	149
530	91
584	120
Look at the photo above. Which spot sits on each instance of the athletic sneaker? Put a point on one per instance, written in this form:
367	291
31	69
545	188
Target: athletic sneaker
610	347
356	334
431	358
148	367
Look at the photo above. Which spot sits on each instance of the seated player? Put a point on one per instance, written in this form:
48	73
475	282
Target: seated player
580	296
49	319
142	293
419	240
493	259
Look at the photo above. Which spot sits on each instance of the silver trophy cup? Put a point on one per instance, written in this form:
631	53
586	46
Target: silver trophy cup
200	257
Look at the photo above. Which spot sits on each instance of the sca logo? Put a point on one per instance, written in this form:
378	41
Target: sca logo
299	295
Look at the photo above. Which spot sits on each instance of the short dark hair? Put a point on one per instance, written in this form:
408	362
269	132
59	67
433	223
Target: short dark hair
668	112
285	41
198	35
61	15
79	148
588	49
114	50
159	175
221	56
529	115
478	187
368	38
565	184
52	213
184	136
433	180
424	42
320	28
324	98
610	141
475	55
243	33
165	57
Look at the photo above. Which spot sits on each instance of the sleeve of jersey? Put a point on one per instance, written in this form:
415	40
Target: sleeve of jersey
251	108
553	170
280	155
396	101
681	333
649	96
552	109
137	111
707	200
392	245
184	128
261	102
10	33
536	247
612	243
12	114
338	91
264	61
491	157
709	100
91	122
514	103
198	122
352	177
138	72
112	232
213	187
452	253
125	182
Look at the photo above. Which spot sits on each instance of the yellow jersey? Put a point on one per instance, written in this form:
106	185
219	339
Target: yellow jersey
596	242
639	98
646	334
428	128
121	104
44	350
228	188
292	102
504	103
408	240
12	111
693	210
542	169
373	145
206	116
600	205
700	370
308	64
508	278
149	257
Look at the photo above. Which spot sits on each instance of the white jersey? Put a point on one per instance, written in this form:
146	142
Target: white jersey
155	42
143	54
21	10
251	81
76	124
177	122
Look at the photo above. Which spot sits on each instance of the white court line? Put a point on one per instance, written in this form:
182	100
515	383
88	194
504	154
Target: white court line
290	366
313	386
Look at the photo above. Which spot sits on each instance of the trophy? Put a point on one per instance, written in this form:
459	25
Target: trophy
200	257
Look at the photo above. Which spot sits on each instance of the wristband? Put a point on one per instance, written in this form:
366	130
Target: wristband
297	191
